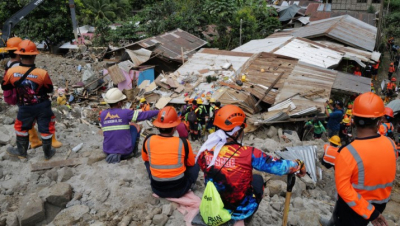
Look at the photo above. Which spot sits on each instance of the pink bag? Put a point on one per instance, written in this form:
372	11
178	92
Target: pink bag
10	96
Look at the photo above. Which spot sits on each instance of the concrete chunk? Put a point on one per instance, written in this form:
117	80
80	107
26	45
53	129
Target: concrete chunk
32	210
160	219
59	194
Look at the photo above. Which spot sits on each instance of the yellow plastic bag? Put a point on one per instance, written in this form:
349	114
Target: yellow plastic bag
212	208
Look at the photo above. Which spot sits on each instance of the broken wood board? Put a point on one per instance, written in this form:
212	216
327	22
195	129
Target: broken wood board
230	85
116	74
161	84
150	87
58	163
139	56
172	83
162	102
126	65
179	89
144	84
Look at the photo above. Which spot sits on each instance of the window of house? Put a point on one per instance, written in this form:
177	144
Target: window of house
361	1
376	1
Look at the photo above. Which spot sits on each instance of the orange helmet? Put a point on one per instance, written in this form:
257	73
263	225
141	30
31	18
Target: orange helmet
187	99
393	79
167	118
350	106
27	47
191	100
389	112
391	63
12	43
230	116
368	105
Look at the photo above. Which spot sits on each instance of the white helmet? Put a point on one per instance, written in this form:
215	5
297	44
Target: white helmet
114	95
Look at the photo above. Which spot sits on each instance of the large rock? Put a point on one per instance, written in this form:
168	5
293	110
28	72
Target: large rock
160	219
4	138
31	210
70	215
12	219
59	194
270	145
276	187
272	132
64	174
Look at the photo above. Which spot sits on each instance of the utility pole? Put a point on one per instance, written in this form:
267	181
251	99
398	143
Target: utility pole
240	38
379	30
387	9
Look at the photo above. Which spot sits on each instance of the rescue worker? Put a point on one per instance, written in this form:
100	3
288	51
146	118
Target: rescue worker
202	116
390	89
331	151
185	106
214	107
335	117
144	105
319	128
368	70
120	139
366	168
357	72
12	46
386	128
391	70
229	165
345	131
32	85
375	68
169	160
191	117
373	88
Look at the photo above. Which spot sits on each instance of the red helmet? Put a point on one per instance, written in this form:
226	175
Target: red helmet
167	118
368	105
389	112
27	47
393	79
230	116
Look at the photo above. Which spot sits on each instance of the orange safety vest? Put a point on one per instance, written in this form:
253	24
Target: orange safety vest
375	66
146	107
391	85
391	69
330	153
166	156
364	173
384	129
358	73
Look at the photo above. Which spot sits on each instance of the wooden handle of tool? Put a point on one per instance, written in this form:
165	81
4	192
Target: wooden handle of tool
286	209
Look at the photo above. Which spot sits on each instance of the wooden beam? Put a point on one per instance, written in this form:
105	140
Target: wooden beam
270	88
51	164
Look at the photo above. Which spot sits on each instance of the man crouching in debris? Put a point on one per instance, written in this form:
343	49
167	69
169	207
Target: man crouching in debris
32	86
118	142
229	165
365	169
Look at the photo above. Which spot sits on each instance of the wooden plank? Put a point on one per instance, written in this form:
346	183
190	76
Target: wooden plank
269	88
58	163
116	74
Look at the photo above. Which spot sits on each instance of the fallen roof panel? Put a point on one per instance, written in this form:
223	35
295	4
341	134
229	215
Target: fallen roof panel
349	83
262	45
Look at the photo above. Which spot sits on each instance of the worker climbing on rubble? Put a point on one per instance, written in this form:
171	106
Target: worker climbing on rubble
169	160
357	72
390	90
191	117
202	116
335	117
375	68
366	168
317	125
229	165
391	70
144	105
214	107
186	106
32	86
120	139
386	128
331	151
346	134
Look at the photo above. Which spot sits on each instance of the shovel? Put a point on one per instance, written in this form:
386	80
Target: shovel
291	179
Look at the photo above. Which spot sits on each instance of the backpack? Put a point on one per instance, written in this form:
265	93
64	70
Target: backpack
389	130
192	117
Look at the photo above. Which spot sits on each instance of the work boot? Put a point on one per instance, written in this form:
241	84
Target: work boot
22	147
34	138
48	150
326	222
54	142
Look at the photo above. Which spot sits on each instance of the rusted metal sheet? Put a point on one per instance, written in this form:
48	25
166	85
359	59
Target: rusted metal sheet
345	29
303	79
168	45
262	70
351	84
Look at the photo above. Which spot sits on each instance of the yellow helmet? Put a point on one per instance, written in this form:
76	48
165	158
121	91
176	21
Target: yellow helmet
330	101
349	112
142	100
212	100
335	140
346	120
199	101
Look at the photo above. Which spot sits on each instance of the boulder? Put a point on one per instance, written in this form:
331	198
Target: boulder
160	219
4	138
64	174
12	219
59	194
70	215
298	203
31	210
167	209
276	187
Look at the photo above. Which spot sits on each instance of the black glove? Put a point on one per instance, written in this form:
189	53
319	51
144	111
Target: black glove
113	158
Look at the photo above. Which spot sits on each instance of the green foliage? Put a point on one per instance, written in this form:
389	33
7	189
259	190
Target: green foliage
108	10
140	4
371	9
210	79
102	35
129	31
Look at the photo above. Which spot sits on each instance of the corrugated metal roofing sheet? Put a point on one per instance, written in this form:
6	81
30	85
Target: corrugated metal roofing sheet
169	44
303	79
363	55
310	52
262	45
351	84
344	29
